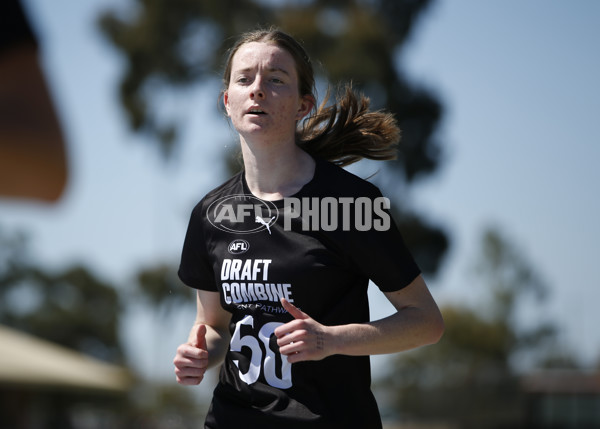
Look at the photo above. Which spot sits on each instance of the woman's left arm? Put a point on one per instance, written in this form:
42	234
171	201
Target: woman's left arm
416	322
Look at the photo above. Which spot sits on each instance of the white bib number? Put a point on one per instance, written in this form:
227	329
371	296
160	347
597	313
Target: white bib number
267	360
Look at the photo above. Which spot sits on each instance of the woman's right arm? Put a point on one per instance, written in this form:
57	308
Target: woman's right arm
207	342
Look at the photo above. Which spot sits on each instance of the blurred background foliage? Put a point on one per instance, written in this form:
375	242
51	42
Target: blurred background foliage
72	307
472	376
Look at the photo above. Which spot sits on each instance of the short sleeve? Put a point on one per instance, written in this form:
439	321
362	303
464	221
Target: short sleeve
195	268
380	252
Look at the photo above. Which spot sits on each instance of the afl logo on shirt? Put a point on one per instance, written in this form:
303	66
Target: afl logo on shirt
242	214
238	246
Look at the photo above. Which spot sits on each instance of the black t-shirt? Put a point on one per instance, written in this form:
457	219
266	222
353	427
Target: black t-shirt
317	249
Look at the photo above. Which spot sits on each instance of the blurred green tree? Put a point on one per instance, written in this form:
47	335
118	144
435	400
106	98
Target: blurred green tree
154	281
172	44
72	307
470	378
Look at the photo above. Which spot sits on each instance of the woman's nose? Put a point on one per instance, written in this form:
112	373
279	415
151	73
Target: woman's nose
257	90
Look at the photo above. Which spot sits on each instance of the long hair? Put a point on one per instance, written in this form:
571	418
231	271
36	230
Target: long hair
342	132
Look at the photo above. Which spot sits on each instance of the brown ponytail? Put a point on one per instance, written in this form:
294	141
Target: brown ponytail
346	131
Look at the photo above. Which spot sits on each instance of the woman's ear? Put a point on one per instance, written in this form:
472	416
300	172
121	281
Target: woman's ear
226	102
306	105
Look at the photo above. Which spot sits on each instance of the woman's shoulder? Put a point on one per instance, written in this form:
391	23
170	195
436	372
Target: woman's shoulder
338	180
231	186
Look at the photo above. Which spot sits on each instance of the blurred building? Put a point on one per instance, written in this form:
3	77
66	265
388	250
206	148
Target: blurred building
44	385
562	399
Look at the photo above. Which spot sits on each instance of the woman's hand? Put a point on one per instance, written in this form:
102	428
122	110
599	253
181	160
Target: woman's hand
191	360
303	338
207	341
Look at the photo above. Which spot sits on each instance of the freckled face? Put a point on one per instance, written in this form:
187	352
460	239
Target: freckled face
263	100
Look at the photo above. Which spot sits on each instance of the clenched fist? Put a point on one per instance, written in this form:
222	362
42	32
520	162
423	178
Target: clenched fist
191	360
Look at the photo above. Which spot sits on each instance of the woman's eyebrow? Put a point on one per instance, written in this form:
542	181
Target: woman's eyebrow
271	69
279	69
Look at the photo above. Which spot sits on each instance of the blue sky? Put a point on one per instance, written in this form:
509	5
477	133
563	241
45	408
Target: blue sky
518	80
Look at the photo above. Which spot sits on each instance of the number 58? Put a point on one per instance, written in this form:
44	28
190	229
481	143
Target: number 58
256	359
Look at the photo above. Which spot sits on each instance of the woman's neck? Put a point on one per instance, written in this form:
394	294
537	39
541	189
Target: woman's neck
275	172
